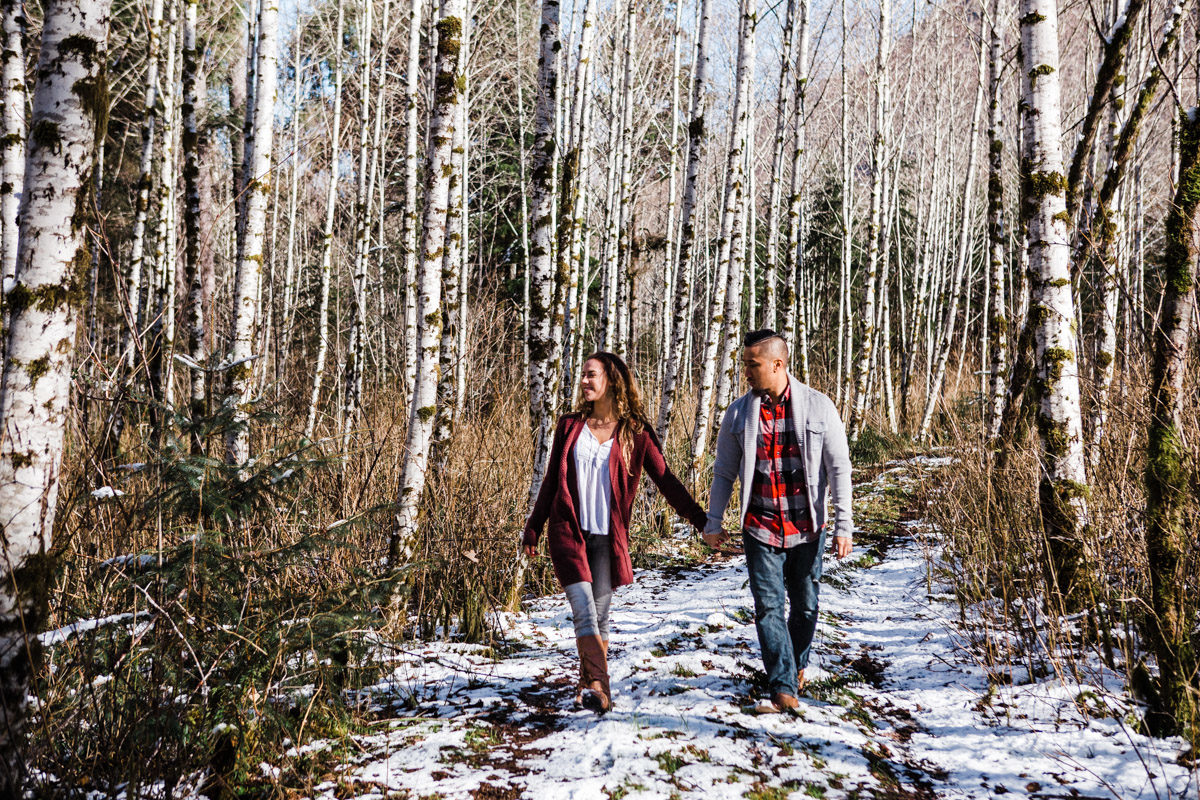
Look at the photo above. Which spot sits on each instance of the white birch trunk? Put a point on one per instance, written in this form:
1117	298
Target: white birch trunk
293	158
141	209
733	197
449	354
163	325
249	269
795	325
625	232
352	384
12	143
946	339
411	218
318	377
543	366
681	324
197	345
878	155
771	267
1063	490
998	327
36	383
439	164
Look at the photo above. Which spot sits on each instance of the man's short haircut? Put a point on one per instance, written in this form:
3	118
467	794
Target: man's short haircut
773	342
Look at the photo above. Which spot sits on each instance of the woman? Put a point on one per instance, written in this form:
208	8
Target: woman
587	494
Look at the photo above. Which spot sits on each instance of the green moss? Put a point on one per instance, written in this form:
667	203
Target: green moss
45	134
1032	18
1058	283
36	369
11	139
1054	359
46	298
425	413
1039	70
1040	184
1062	217
1104	359
21	460
84	47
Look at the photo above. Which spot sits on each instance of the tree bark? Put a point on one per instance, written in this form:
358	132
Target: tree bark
411	216
1063	489
439	164
69	102
998	314
12	145
1168	473
249	269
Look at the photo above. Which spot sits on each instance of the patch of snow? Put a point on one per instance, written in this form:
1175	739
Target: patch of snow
107	493
59	635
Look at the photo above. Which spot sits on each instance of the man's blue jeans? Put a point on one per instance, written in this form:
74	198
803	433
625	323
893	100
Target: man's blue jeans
777	574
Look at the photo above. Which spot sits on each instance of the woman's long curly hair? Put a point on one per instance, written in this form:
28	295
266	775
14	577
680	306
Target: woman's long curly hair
626	400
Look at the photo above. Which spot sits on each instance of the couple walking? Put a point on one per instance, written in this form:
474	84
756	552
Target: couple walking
783	441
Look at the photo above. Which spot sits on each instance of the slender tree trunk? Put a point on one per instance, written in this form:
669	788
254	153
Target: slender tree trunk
681	324
771	267
335	146
543	358
141	208
293	158
1169	541
734	177
998	324
69	101
352	376
249	269
190	141
452	266
12	145
945	341
1063	487
625	225
867	318
439	164
795	327
845	324
411	217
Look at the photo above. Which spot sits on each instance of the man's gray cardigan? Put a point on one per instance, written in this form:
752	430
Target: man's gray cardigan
823	447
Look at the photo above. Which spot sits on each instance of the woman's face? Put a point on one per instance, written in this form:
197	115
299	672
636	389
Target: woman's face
593	383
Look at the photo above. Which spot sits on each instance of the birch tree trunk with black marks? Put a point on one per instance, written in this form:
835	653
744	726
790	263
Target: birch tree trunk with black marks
197	345
439	165
326	260
250	265
68	103
771	265
878	154
734	186
543	367
998	313
1169	473
1063	488
12	135
410	217
795	322
681	327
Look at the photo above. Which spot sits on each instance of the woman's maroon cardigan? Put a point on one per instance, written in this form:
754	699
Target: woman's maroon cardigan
558	500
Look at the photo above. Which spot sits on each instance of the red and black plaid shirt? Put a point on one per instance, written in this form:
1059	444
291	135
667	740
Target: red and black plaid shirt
778	514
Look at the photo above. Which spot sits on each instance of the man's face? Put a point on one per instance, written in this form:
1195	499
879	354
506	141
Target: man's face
759	368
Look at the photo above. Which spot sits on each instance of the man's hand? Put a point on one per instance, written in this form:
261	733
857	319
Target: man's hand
530	550
842	546
716	539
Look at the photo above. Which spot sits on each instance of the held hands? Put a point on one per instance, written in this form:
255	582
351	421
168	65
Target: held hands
530	550
715	539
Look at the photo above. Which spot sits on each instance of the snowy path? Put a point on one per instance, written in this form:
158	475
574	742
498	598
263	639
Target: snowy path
897	707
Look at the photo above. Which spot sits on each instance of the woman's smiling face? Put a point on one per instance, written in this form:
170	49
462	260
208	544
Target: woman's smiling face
593	382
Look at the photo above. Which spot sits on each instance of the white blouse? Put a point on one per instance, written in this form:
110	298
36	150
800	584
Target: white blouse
594	486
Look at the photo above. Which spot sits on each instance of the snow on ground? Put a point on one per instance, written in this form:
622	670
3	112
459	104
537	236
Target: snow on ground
897	706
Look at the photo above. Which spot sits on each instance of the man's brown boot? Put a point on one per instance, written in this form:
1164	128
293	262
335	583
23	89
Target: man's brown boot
593	656
801	683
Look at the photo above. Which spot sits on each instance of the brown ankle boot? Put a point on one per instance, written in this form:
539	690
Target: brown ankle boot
594	662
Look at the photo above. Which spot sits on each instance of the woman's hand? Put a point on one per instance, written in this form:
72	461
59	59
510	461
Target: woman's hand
530	550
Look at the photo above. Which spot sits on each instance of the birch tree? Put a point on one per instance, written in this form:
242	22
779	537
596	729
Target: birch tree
12	143
69	100
250	264
197	344
878	154
998	316
795	325
326	261
1063	486
410	218
1168	473
439	165
734	176
543	366
697	133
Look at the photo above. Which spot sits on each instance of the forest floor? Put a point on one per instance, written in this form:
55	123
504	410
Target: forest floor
898	704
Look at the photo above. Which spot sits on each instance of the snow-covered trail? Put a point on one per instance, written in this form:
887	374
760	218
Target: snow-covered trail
897	707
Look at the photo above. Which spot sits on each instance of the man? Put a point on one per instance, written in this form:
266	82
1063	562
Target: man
787	445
